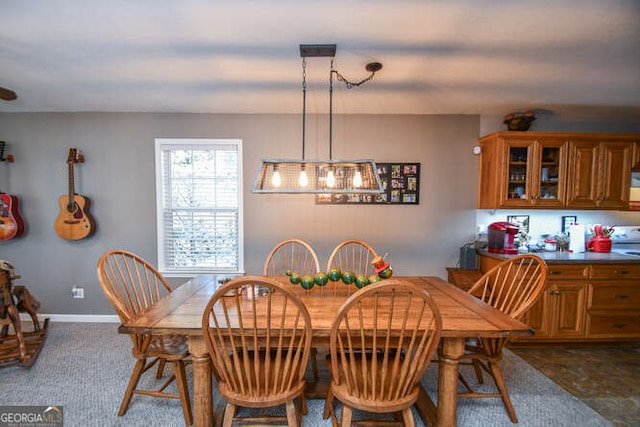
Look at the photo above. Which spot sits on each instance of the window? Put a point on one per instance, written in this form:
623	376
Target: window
199	206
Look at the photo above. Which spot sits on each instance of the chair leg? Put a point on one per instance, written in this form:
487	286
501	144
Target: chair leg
229	413
292	414
328	405
160	371
497	376
133	383
407	417
183	391
345	418
303	404
478	368
314	363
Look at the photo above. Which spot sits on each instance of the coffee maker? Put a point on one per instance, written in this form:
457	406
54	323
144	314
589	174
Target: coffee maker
501	236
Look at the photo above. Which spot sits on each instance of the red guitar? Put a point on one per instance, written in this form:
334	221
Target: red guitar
11	223
74	221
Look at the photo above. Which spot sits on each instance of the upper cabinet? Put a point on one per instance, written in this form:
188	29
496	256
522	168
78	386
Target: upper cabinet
600	173
548	170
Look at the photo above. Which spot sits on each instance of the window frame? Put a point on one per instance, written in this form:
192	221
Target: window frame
161	145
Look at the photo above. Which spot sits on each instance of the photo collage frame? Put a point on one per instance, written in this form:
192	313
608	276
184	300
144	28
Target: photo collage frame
400	181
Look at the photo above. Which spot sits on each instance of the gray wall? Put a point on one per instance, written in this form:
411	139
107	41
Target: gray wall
118	177
605	120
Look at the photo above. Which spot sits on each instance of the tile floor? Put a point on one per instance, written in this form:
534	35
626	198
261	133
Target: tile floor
606	379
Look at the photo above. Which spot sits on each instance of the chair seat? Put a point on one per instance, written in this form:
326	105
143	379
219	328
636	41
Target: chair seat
379	404
170	347
255	398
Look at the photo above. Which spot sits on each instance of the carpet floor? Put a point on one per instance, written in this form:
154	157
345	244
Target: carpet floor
85	367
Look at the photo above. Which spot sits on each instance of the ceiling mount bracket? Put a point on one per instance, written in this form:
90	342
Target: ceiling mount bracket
373	67
317	50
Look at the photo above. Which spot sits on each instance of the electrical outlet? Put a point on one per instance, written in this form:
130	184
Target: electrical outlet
77	292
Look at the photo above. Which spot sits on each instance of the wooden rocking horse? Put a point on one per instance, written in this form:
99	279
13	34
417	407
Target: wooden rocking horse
17	344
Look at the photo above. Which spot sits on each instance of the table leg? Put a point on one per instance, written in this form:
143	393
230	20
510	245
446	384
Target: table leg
452	350
202	383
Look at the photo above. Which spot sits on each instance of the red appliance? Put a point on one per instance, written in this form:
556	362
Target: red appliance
599	242
501	236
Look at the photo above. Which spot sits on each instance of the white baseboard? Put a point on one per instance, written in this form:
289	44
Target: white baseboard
80	318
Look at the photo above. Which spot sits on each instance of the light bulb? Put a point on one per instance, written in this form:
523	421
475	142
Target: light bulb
275	179
357	179
331	180
304	181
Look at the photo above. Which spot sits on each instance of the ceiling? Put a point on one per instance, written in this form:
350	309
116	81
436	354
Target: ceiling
240	56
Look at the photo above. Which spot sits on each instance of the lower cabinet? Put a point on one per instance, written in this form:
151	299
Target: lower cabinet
559	313
614	310
584	302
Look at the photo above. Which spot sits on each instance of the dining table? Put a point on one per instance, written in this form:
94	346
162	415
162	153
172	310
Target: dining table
463	317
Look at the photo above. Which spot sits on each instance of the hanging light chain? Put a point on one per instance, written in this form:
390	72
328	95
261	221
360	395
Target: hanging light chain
331	109
373	67
304	102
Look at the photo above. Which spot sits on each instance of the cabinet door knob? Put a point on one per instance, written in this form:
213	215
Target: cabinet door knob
551	272
619	325
621	296
622	271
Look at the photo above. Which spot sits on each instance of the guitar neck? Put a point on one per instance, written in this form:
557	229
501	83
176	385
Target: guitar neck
71	185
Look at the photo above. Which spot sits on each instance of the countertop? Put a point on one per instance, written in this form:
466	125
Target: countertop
570	257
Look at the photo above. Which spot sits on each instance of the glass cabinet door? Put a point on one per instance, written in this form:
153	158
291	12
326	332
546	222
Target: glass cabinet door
549	173
518	171
534	173
549	186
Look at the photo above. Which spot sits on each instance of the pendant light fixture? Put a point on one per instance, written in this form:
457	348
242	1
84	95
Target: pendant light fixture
325	175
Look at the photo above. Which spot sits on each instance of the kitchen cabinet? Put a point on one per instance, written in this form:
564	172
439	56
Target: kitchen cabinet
600	172
635	165
583	302
559	314
614	302
522	170
551	170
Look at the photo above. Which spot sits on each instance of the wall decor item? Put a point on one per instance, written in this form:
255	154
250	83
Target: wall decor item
74	222
568	221
400	181
11	223
521	220
519	121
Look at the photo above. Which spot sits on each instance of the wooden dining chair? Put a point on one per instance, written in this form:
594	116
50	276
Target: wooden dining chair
381	343
258	334
353	255
294	255
132	285
512	287
291	255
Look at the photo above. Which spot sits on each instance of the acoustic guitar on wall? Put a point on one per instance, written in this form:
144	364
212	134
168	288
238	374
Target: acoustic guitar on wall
74	221
11	223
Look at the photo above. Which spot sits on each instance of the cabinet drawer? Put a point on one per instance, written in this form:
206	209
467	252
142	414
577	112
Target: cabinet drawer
567	271
605	296
613	325
615	271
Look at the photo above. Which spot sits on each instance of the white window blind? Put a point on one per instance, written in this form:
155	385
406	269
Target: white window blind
199	206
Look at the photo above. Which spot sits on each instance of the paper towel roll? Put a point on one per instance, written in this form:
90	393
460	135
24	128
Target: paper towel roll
576	238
